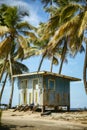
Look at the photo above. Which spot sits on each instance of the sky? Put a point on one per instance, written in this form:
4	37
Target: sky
74	67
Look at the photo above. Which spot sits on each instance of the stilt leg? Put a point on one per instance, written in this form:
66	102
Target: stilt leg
56	108
43	109
68	108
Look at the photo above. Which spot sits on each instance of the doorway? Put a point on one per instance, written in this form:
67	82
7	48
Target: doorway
35	92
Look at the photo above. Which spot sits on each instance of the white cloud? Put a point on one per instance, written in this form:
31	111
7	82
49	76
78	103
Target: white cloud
34	18
33	10
19	3
14	2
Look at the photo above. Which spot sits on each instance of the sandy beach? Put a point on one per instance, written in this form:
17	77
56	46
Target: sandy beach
34	121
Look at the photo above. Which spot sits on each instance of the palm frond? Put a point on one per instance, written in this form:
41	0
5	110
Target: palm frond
83	25
19	68
30	51
5	46
23	41
4	30
9	20
19	54
25	25
31	35
64	30
55	61
52	10
69	11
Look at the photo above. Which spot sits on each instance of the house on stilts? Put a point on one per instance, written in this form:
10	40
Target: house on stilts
44	89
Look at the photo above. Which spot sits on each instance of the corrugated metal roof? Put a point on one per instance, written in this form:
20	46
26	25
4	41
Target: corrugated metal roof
48	73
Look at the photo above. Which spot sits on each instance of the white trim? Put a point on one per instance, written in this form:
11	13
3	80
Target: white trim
48	73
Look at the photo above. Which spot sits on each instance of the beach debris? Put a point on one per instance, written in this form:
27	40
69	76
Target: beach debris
25	108
4	106
35	107
46	113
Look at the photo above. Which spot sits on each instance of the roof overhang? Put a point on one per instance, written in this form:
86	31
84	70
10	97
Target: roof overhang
47	73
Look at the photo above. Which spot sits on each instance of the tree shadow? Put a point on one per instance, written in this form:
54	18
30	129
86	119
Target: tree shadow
4	127
8	127
26	126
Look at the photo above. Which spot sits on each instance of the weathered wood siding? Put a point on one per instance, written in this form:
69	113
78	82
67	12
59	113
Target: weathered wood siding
50	91
30	91
59	95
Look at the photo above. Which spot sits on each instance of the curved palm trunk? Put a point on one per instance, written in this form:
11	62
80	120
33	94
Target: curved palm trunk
85	70
1	93
11	95
51	65
12	83
41	62
63	56
3	67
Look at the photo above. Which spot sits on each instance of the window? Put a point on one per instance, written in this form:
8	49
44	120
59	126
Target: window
35	83
24	84
51	84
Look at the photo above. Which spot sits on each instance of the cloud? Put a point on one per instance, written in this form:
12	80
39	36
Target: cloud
37	13
30	7
14	3
19	3
34	18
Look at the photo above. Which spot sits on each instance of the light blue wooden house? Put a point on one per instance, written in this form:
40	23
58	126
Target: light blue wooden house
44	89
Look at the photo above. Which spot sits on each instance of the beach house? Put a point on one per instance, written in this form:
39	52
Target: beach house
44	89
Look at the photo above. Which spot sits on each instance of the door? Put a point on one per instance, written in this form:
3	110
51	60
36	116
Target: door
24	91
35	92
25	96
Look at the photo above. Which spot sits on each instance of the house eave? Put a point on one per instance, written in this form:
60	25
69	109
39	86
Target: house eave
47	73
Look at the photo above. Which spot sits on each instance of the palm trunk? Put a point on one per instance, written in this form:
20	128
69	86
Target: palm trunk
85	70
3	67
63	56
41	62
12	83
51	65
1	93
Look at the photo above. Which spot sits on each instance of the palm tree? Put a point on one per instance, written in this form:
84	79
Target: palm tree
73	30
61	14
14	31
54	60
85	68
3	86
48	32
13	66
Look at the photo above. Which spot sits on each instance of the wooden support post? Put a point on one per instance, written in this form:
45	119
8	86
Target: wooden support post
43	109
56	108
68	108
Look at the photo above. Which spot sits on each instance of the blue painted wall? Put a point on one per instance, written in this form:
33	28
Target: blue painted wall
52	91
60	95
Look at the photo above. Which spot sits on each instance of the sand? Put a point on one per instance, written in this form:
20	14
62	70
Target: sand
34	121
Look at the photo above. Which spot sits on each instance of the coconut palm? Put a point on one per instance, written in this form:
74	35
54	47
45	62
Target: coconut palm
13	30
58	17
3	86
73	30
12	67
85	68
41	28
